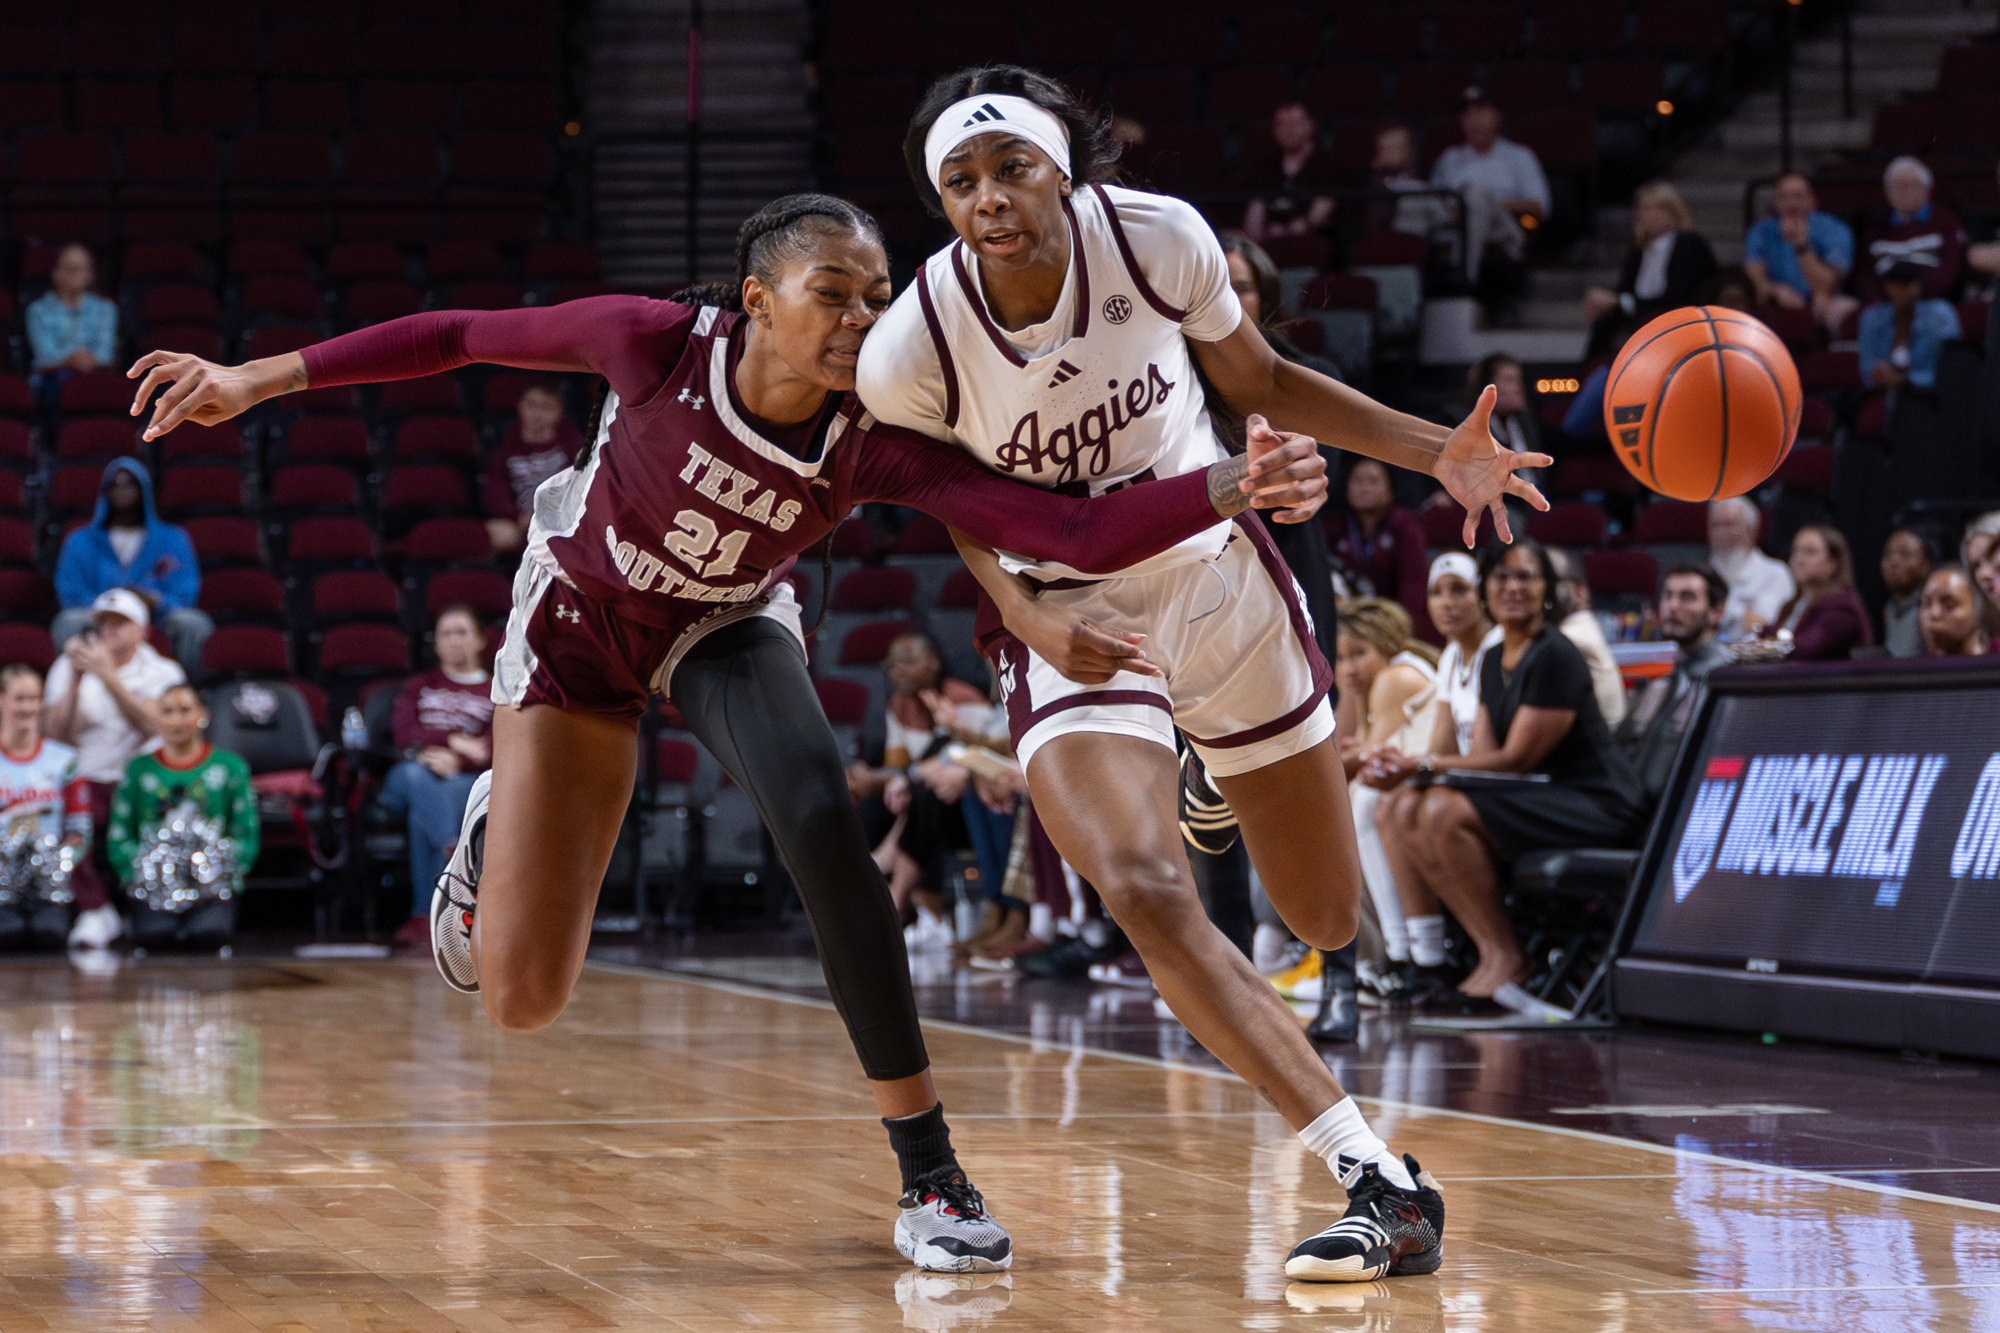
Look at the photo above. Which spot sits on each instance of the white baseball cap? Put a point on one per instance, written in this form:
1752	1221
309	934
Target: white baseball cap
123	602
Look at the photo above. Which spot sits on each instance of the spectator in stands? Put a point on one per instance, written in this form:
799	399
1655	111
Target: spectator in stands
1907	559
1579	625
1514	421
1734	290
1293	199
1903	336
70	327
1800	257
1950	615
1669	265
1825	615
1502	183
443	725
1979	551
184	770
1254	279
1381	541
1537	714
538	443
104	696
126	545
1395	169
1690	612
1909	225
39	782
1758	585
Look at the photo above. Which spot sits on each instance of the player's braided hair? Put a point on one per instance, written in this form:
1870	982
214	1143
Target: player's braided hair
778	233
1093	152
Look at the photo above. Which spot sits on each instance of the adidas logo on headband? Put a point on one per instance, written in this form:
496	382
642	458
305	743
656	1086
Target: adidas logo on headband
987	111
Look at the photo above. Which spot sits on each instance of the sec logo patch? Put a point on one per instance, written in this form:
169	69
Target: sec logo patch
1117	309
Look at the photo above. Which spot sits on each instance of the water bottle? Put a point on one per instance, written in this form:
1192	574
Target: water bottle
353	730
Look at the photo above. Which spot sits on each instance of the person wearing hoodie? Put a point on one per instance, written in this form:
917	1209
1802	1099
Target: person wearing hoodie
126	545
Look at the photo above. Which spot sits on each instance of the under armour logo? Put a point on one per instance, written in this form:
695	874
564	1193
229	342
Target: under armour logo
693	400
569	613
987	111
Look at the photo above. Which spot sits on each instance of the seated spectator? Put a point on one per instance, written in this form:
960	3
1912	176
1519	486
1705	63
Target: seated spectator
185	771
1908	226
1254	278
443	724
1986	582
1690	611
1537	714
1902	337
1501	182
1907	559
70	327
1388	696
1758	585
1579	625
39	783
1950	615
1668	266
1293	199
1514	422
919	789
1395	169
1734	290
538	443
125	545
1380	541
104	696
1825	616
1800	257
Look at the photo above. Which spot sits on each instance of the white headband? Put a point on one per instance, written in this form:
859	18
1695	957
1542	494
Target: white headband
989	113
1453	562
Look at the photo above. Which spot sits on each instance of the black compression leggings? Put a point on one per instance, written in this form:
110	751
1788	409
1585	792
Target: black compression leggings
745	693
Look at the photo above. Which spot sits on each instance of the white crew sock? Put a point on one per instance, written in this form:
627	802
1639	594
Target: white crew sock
1426	940
1341	1132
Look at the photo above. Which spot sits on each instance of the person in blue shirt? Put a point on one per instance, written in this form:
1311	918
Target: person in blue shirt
70	327
1799	256
1902	336
126	545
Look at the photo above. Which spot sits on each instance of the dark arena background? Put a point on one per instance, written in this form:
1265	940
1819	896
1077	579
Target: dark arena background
1742	1075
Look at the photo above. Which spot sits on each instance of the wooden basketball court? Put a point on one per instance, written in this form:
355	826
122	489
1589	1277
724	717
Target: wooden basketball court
238	1146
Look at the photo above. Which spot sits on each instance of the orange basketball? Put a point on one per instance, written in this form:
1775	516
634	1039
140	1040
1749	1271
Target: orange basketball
1702	403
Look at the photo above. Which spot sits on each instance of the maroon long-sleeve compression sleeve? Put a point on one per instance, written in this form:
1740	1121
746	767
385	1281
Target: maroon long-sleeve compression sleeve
622	338
1097	536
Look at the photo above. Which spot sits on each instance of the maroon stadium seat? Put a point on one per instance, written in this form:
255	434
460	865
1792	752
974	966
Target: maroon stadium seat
868	644
1570	525
1807	469
102	438
13	497
845	702
378	158
151	261
851	541
414	489
410	47
880	588
1671	522
960	592
351	260
15	398
1245	90
246	650
132	104
1526	85
1153	95
280	296
1793	324
1386	248
1364	35
560	261
1565	138
481	296
1481	33
1829	370
1274	34
1683	27
1583	28
26	594
306	104
448	541
17	539
511	158
330	539
96	391
510	104
1584	473
503	389
222	541
1444	528
374	300
925	535
437	437
355	594
16	444
509	49
1621	84
179	303
45	158
203	102
200	339
325	51
1428	88
403	102
364	648
185	491
1815	420
30	104
303	488
1341	291
430	393
273	157
234	594
343	438
465	260
214	48
276	340
185	161
191	440
486	591
1621	573
29	644
252	257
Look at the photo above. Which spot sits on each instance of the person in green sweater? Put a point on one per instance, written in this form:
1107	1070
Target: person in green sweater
185	769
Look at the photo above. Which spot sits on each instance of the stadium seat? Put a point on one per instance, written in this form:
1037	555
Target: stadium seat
223	541
1582	474
1808	469
187	491
281	296
374	300
1387	249
1524	85
867	644
17	447
1621	573
1444	528
17	539
1349	90
1671	522
560	261
248	258
448	541
1424	89
418	102
1152	95
515	159
197	339
411	491
101	438
1683	27
503	389
214	48
349	261
1795	325
281	157
1829	370
276	340
1582	28
129	104
411	47
355	594
480	296
924	535
487	591
324	51
1565	138
26	594
330	540
95	391
430	393
509	104
201	102
246	650
1480	33
364	649
339	439
306	104
29	644
13	499
1365	35
30	104
72	491
1625	85
1570	525
179	303
493	48
231	595
437	438
1907	127
191	440
464	261
1246	90
959	592
881	588
312	488
375	159
15	398
1270	34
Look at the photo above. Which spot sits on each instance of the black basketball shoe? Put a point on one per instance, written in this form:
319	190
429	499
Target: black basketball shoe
1387	1231
1207	822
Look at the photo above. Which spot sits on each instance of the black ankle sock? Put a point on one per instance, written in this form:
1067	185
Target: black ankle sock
922	1143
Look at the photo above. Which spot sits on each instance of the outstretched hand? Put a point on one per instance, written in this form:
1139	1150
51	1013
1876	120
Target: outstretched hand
1480	474
1287	472
204	392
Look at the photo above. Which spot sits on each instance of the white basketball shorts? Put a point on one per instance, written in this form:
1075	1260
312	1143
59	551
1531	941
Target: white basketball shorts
1245	680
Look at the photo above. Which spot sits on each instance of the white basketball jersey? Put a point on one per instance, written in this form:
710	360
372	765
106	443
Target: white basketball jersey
1113	400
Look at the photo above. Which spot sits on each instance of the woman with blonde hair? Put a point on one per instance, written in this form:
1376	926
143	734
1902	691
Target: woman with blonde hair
1669	265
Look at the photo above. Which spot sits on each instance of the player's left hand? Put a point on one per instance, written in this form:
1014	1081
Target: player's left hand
1287	472
1481	474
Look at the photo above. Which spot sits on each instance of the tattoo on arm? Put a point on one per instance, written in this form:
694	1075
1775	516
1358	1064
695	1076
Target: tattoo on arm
298	377
1225	481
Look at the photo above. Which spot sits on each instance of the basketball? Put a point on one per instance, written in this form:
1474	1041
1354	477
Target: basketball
1702	403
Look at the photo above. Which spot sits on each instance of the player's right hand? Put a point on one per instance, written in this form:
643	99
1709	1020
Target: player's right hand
202	391
1090	654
